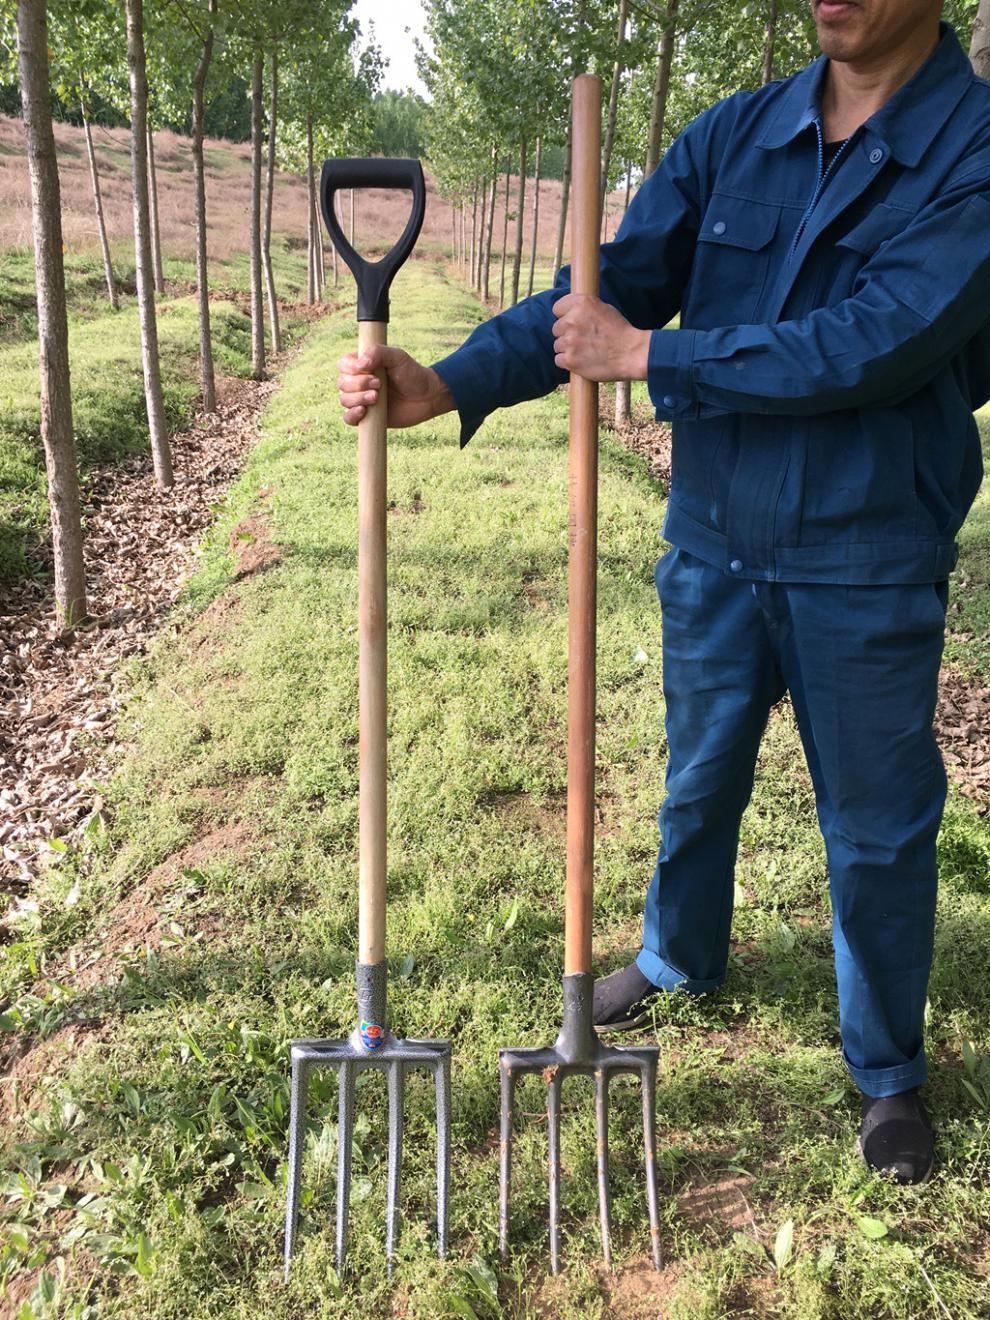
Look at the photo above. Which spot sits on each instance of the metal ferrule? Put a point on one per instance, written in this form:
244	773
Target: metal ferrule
577	1042
371	1033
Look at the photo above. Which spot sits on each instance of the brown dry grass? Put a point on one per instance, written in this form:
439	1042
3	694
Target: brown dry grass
378	216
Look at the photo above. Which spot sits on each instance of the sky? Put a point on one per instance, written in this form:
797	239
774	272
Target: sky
397	24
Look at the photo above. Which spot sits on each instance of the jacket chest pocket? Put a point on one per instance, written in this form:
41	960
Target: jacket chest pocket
731	261
881	223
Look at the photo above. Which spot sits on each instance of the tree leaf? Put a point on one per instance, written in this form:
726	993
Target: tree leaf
513	916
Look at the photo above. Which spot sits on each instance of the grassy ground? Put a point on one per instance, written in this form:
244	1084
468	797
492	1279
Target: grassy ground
107	382
211	917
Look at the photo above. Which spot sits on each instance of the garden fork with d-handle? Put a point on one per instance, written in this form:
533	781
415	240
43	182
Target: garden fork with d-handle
371	1044
577	1050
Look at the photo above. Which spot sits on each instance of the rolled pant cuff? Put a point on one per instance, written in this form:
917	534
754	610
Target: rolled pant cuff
668	978
877	1082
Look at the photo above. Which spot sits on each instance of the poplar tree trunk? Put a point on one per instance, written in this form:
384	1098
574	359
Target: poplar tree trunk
520	207
661	88
623	403
53	324
505	235
313	220
768	44
979	50
207	374
613	99
351	234
565	194
474	235
482	216
160	453
266	232
491	225
536	214
101	225
625	205
257	317
156	237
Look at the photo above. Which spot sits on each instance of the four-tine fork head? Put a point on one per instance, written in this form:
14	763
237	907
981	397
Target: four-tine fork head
578	1051
370	1045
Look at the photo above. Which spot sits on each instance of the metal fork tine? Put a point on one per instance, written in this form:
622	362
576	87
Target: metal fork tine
649	1082
553	1116
297	1134
604	1197
442	1072
396	1104
508	1086
345	1140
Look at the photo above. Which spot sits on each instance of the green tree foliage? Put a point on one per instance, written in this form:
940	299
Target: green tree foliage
397	123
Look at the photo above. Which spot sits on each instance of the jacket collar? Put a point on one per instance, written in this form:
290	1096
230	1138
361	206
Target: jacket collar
906	124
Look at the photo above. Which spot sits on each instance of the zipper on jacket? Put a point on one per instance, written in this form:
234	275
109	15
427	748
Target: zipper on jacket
823	177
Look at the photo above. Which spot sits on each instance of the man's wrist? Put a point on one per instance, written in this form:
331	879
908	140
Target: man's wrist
441	399
638	355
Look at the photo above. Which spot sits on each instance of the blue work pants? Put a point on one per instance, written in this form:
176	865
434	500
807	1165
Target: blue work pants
861	664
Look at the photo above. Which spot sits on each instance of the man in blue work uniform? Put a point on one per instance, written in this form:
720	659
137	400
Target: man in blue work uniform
826	241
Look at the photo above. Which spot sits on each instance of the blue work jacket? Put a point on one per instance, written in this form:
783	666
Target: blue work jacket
834	332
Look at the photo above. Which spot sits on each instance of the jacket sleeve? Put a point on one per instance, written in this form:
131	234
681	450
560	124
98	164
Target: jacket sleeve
643	273
921	297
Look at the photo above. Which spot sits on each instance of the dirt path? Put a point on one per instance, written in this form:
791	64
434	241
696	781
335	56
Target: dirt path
57	689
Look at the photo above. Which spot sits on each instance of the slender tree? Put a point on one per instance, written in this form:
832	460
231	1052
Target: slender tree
207	372
257	319
101	224
979	50
156	232
768	44
505	234
266	231
53	325
161	454
536	214
661	86
520	212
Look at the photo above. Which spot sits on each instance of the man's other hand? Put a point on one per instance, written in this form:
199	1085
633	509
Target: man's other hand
594	340
415	393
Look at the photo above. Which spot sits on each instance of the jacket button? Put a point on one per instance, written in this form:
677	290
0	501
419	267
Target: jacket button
876	156
718	227
736	566
669	401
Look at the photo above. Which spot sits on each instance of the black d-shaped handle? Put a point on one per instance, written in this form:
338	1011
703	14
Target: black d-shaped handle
373	277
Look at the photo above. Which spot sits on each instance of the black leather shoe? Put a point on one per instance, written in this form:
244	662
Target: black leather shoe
896	1138
622	1000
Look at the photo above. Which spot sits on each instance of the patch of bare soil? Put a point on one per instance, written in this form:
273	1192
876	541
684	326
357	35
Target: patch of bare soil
962	725
638	1291
26	1064
722	1202
250	547
521	811
58	699
145	917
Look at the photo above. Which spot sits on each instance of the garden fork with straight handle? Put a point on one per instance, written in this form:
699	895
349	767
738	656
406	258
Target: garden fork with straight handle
371	1043
577	1050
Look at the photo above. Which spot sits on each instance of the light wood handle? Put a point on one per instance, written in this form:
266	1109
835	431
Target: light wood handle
372	662
583	541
